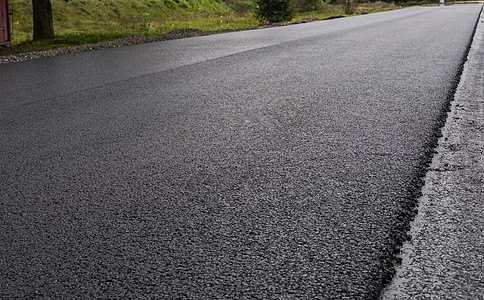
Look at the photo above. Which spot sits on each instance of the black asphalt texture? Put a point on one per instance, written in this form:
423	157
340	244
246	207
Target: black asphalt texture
280	163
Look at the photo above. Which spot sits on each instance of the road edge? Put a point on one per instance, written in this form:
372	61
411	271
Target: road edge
456	173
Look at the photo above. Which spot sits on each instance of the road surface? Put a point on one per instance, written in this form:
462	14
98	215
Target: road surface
280	163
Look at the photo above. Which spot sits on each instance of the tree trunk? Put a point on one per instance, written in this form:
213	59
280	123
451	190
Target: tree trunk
43	25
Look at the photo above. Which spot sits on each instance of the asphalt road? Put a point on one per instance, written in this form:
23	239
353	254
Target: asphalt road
280	163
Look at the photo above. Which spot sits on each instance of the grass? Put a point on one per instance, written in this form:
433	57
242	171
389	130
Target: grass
88	21
329	10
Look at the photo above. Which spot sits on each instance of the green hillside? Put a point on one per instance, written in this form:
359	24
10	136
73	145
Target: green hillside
146	17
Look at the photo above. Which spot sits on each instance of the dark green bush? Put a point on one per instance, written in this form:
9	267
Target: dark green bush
349	6
307	5
274	11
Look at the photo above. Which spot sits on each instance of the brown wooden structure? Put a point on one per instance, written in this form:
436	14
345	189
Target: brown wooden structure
5	32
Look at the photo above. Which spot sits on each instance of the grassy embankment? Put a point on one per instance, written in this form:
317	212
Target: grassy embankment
88	21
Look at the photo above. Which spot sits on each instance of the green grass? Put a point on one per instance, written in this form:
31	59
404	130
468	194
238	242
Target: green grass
147	17
87	21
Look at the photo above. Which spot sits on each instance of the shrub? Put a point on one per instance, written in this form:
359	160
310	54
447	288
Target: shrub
307	5
349	6
274	10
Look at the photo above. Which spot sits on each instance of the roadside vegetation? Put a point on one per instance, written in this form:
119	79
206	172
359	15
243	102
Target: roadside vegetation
88	21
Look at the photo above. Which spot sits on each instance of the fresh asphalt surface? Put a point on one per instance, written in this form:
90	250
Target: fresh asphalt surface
280	163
